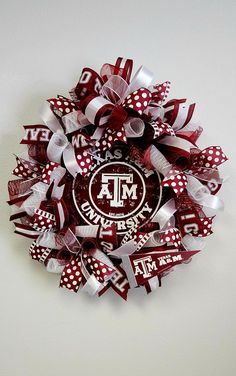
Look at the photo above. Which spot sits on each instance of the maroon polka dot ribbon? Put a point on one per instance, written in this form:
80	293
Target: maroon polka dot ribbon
61	106
138	100
84	160
43	220
172	236
176	180
47	171
27	169
210	157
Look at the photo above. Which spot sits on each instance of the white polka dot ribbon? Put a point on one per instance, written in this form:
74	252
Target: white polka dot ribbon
38	252
171	236
43	221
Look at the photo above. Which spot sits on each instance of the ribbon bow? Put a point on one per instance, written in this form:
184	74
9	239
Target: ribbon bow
110	108
89	263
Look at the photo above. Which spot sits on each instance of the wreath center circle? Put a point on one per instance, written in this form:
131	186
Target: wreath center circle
123	192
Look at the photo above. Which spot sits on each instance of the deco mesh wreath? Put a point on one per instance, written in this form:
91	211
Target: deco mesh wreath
113	189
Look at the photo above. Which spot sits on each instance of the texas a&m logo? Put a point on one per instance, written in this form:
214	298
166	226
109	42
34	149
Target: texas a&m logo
123	188
121	192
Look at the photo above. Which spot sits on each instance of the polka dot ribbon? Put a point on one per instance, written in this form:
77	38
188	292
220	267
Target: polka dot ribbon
172	236
140	238
71	277
138	100
210	157
61	106
27	169
161	92
161	128
84	160
100	270
47	171
72	274
204	227
39	253
176	180
110	137
43	220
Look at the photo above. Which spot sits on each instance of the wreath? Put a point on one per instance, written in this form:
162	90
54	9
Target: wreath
112	187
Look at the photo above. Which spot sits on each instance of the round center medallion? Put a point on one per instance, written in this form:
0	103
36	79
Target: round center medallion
121	192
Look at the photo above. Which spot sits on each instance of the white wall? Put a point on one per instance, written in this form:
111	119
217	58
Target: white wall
188	326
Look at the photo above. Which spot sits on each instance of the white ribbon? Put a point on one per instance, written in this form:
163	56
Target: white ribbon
48	240
53	266
201	195
181	117
142	78
87	231
126	249
115	89
154	240
134	127
155	112
165	213
92	286
177	142
158	161
49	118
74	120
57	144
34	200
93	107
70	160
191	243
